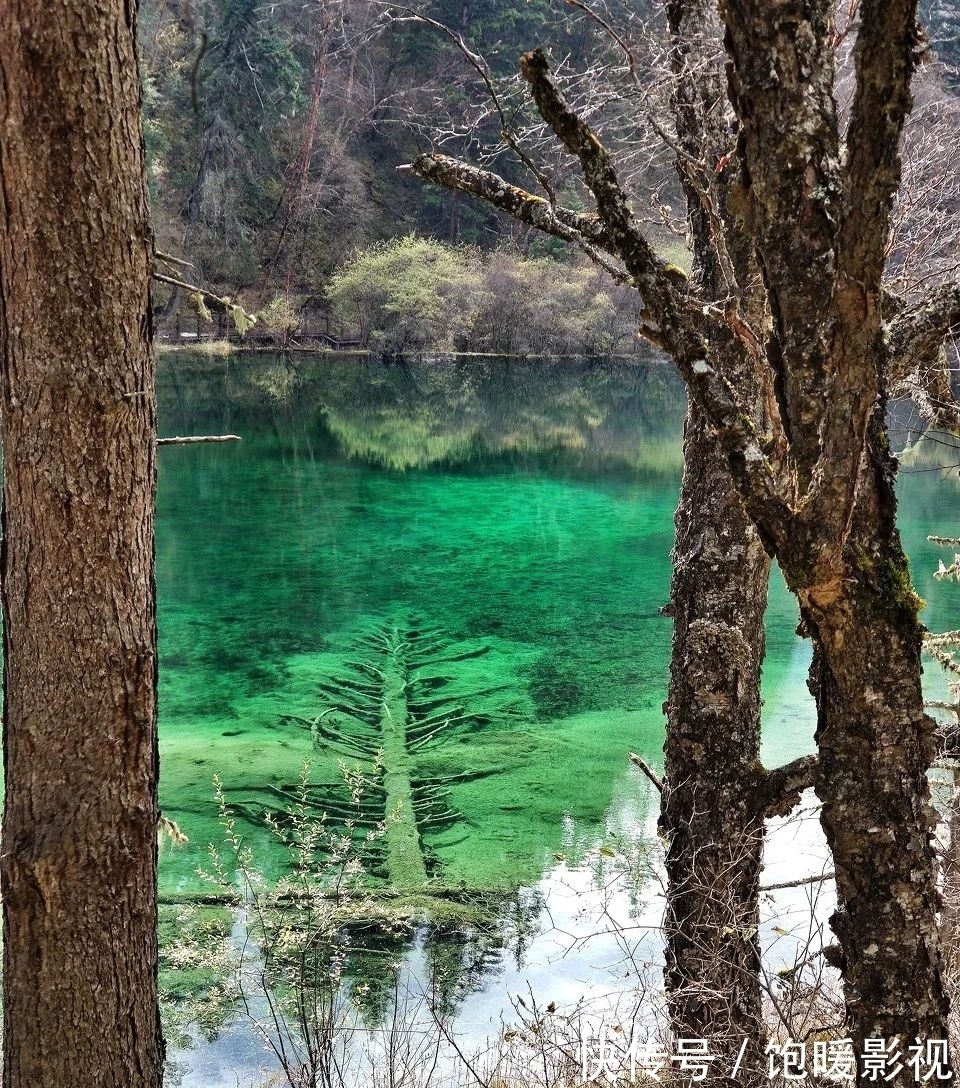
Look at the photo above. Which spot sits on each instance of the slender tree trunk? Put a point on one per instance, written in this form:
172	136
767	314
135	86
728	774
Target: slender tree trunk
709	814
80	759
718	596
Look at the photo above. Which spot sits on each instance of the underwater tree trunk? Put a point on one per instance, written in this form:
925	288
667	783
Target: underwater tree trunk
80	757
709	815
405	864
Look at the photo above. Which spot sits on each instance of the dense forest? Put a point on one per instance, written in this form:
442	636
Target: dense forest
275	132
274	129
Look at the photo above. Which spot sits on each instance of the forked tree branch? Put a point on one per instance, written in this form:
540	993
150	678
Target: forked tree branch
781	87
884	59
482	69
680	321
672	317
660	291
582	229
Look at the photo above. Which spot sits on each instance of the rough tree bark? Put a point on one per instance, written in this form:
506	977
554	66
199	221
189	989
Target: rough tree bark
711	821
80	759
806	447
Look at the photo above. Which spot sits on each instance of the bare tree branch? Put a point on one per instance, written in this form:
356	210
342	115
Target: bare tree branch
637	761
195	439
672	317
582	229
819	879
781	85
884	59
664	292
572	226
482	69
917	365
778	791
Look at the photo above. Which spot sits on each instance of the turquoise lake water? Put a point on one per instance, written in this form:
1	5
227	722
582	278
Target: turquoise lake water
520	511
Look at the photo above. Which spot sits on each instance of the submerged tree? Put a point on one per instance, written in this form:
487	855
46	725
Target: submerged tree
79	646
788	339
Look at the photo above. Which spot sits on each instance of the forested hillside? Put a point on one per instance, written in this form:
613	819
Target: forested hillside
274	133
274	130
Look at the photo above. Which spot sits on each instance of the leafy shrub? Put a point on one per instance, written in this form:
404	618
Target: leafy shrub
413	294
542	306
280	315
408	294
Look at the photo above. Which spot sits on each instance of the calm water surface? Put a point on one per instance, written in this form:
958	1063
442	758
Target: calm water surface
521	511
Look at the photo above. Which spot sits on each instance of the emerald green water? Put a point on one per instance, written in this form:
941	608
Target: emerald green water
525	509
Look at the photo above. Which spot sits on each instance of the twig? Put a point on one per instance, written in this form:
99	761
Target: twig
480	66
799	883
170	259
647	770
163	278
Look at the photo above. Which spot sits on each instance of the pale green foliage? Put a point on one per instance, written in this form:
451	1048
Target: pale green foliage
408	294
280	315
200	304
196	964
242	321
413	294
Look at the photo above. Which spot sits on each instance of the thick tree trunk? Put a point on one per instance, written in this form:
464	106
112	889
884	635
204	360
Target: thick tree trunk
80	815
710	815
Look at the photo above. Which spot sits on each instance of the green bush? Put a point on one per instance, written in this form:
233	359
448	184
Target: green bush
408	294
413	294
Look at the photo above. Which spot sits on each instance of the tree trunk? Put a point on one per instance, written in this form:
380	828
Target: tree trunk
709	812
80	758
875	745
718	598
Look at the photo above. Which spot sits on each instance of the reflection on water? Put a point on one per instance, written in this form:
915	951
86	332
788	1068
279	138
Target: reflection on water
523	510
517	514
